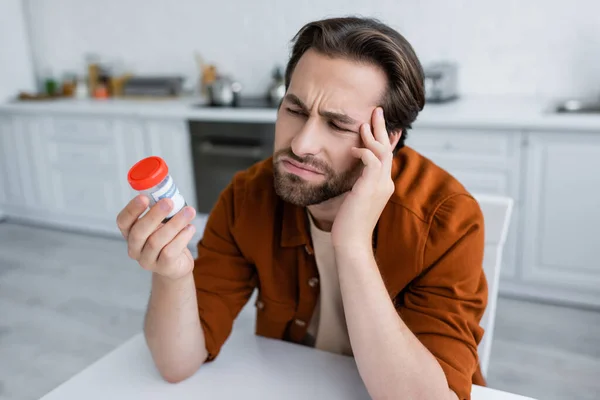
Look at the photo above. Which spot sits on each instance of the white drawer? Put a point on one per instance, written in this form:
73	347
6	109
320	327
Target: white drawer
484	182
81	130
493	146
78	155
87	195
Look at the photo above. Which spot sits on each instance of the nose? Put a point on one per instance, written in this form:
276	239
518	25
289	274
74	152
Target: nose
308	140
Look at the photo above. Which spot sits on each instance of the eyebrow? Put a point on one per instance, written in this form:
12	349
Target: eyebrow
340	117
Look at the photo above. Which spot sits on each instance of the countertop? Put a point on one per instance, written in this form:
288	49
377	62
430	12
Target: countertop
491	112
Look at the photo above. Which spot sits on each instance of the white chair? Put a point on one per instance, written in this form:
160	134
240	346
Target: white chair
497	211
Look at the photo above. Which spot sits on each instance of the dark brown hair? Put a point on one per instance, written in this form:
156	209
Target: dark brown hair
369	40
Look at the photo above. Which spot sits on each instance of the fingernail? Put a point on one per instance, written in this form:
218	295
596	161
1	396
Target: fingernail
190	227
187	212
166	204
380	111
139	201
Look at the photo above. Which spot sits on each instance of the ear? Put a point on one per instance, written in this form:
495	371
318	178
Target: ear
395	137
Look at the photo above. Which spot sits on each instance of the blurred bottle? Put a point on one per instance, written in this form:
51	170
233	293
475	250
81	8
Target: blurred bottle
207	74
82	92
93	71
101	91
50	83
69	84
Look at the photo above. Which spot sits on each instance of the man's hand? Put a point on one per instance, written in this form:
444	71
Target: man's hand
172	326
362	207
157	247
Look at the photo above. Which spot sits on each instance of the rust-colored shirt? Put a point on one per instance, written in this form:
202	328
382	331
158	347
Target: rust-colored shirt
428	244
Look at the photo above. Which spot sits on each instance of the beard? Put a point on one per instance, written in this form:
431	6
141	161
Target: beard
296	190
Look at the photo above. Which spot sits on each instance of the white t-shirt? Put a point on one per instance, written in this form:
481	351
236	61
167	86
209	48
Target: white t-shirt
328	324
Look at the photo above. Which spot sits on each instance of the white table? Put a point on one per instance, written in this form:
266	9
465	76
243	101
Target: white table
249	367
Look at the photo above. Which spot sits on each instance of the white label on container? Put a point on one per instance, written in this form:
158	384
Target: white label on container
169	190
166	189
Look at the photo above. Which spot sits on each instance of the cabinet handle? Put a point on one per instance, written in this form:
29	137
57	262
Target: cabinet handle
231	150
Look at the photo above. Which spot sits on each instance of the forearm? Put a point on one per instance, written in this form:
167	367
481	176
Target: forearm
391	360
172	328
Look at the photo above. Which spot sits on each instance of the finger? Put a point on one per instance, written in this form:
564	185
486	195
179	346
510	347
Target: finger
369	140
130	214
146	225
163	236
171	254
372	165
379	129
370	161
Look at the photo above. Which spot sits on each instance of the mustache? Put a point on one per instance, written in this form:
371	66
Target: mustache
308	160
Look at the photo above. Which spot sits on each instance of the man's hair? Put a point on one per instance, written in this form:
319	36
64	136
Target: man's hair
367	40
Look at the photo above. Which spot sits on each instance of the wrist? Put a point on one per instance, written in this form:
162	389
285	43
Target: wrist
165	280
353	249
355	240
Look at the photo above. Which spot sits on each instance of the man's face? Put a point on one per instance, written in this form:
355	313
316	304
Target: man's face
318	123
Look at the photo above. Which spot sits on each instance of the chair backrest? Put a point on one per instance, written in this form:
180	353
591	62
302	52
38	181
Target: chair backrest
497	211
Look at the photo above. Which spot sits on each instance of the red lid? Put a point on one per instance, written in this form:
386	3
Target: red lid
147	173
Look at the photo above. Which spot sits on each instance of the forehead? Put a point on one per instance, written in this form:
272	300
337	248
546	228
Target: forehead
338	83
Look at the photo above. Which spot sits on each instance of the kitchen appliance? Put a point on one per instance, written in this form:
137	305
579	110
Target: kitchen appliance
153	86
276	90
224	91
584	105
220	150
256	102
441	82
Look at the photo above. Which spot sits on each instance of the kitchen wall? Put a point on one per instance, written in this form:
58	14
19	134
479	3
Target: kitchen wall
534	47
16	70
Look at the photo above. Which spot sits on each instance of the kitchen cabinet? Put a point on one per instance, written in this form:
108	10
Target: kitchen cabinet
17	75
485	162
130	146
85	169
77	173
561	218
7	161
3	152
17	135
73	159
3	168
170	139
71	170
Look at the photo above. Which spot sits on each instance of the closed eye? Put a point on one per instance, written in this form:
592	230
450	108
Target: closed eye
339	128
331	124
294	112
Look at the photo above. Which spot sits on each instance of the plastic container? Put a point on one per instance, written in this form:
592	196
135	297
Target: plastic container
151	177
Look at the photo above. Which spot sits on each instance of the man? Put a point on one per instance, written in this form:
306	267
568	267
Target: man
357	244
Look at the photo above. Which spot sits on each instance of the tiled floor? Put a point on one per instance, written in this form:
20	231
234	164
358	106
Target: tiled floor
68	299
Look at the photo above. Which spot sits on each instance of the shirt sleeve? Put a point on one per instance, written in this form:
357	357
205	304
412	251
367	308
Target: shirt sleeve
224	279
444	305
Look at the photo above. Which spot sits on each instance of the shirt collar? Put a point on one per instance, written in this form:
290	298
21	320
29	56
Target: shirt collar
294	226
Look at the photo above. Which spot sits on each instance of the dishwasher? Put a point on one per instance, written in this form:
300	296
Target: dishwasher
220	150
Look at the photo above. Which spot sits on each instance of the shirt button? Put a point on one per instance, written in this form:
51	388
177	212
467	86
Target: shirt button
313	282
260	305
299	322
